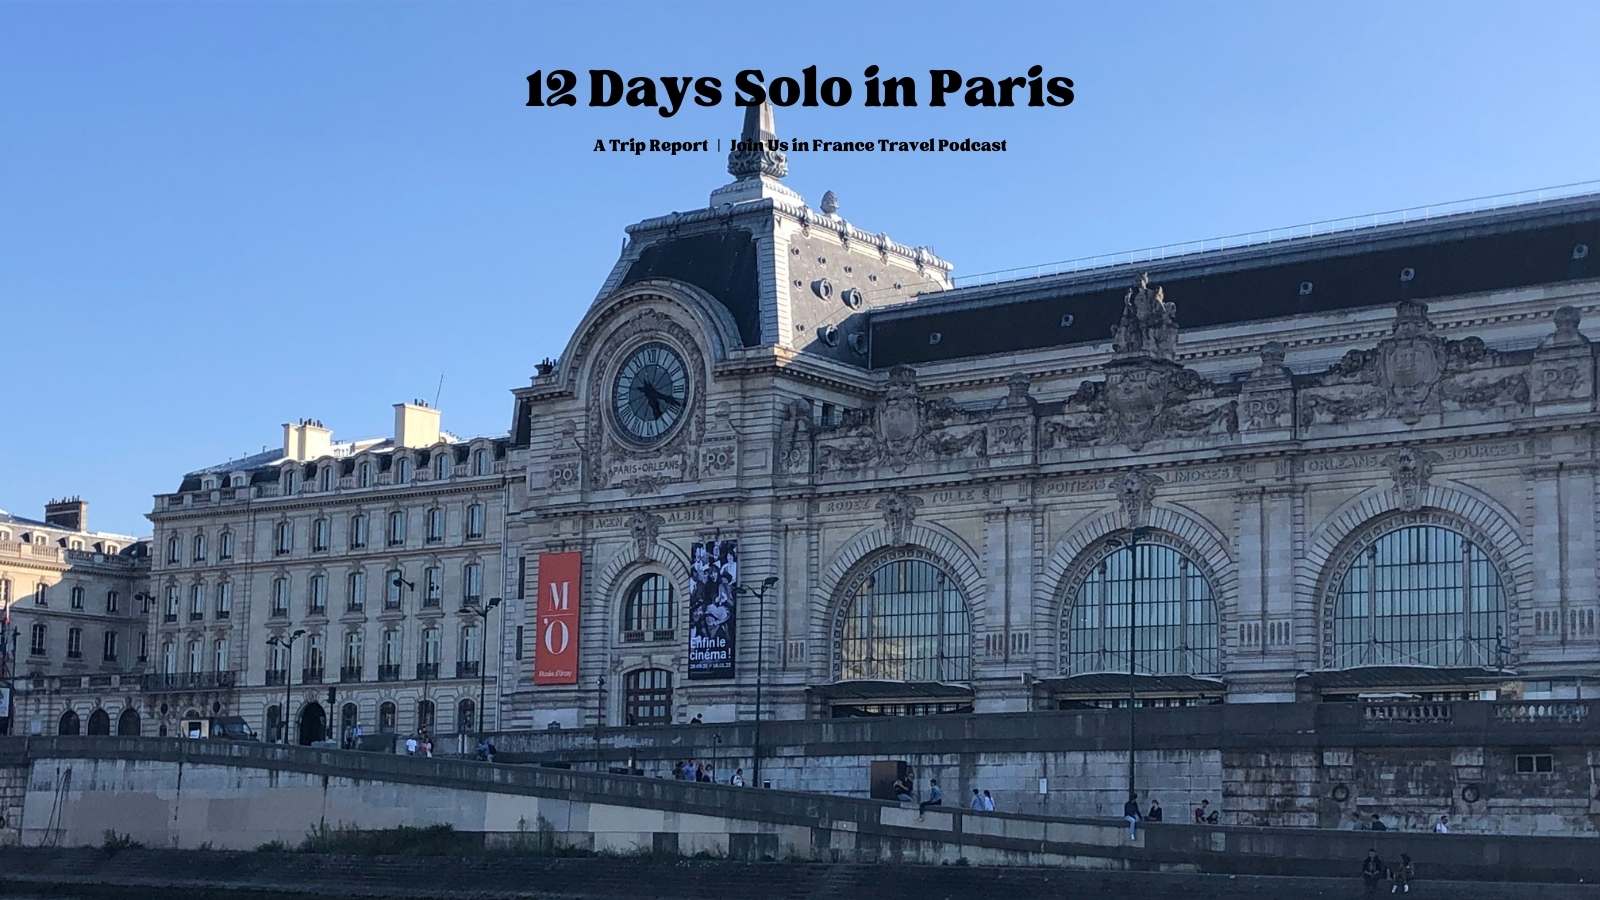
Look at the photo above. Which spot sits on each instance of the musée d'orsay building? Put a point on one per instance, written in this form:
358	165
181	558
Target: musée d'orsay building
1354	464
1334	466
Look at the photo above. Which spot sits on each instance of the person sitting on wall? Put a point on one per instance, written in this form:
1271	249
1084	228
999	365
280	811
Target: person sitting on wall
902	789
1442	826
1401	875
1130	814
1377	824
935	796
1201	811
1154	815
1372	871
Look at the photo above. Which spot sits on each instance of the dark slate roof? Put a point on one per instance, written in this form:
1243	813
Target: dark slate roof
1508	248
1117	683
887	690
722	264
1397	677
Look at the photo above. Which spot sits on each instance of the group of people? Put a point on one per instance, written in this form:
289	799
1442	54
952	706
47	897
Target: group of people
486	750
1203	814
1373	871
1441	825
352	737
420	743
693	770
983	802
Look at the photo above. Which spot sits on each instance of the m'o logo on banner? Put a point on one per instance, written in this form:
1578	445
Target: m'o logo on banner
560	598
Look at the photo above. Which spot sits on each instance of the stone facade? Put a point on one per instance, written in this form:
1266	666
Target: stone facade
76	602
1274	465
371	547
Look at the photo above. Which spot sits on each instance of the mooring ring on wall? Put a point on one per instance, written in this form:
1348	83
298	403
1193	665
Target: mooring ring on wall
1470	793
1341	793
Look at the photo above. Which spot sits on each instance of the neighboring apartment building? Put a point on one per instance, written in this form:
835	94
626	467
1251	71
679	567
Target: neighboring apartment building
370	551
75	602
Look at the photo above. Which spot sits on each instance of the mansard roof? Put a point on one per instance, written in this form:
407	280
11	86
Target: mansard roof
1517	246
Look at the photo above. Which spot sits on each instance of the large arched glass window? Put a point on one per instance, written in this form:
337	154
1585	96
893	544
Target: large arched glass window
1173	613
906	620
1419	595
648	609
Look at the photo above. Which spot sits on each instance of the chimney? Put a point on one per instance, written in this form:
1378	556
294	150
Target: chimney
306	440
70	513
416	424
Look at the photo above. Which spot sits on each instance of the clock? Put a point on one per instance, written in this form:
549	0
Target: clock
651	393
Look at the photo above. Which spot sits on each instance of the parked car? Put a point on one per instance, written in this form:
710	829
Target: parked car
218	728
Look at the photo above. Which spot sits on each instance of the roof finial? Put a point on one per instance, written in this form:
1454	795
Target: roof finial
757	154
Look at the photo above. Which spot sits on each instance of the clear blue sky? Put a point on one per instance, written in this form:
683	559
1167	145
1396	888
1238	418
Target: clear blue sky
216	217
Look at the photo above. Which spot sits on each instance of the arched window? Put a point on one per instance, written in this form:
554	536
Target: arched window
199	554
471	583
1419	595
386	717
225	545
905	620
465	719
358	531
435	524
319	534
284	539
219	655
397	528
128	723
648	611
280	596
475	521
194	657
647	697
402	469
441	464
348	716
289	481
317	595
76	600
99	722
325	478
172	549
480	462
69	723
1174	615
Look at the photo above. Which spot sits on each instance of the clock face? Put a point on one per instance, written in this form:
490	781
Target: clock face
651	393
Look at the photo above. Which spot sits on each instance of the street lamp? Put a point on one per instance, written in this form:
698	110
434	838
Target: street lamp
482	612
287	643
1132	544
761	643
11	674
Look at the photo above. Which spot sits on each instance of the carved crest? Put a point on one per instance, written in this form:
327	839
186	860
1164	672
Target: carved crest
1410	469
1135	491
1411	362
900	416
1149	324
899	510
644	526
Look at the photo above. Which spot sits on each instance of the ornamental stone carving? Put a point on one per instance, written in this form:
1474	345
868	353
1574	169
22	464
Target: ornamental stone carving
644	526
611	463
902	429
1410	470
899	510
1135	491
1149	324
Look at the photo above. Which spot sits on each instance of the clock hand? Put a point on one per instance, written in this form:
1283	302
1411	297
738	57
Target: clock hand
653	397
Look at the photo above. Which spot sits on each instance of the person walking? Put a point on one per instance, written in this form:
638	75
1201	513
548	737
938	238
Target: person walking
1130	814
988	802
935	797
1154	815
411	745
1442	826
977	801
738	778
1372	872
1400	876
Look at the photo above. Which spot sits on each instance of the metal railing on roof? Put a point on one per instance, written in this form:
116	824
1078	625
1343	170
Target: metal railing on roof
1323	228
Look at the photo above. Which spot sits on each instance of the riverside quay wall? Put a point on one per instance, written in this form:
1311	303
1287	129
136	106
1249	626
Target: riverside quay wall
229	796
1493	767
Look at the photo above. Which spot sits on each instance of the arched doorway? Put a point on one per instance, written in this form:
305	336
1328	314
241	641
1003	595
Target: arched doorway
100	722
313	724
348	716
128	723
69	723
386	717
465	719
425	715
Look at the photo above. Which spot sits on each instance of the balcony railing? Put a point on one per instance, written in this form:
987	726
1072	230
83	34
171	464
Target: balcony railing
432	601
179	681
349	673
311	676
277	676
1542	711
427	670
389	673
467	669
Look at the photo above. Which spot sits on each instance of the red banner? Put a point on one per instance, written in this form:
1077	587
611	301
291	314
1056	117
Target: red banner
560	594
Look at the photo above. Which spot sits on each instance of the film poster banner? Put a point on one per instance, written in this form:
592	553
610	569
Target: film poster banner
713	613
560	594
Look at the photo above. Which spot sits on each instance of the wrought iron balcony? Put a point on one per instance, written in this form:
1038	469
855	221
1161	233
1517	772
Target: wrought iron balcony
427	670
311	676
467	669
389	673
349	673
183	681
277	676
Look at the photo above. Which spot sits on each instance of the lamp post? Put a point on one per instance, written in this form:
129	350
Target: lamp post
482	612
1132	544
287	643
11	673
761	643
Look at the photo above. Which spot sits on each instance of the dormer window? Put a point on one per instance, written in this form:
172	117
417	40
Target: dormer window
364	475
402	470
325	478
480	462
441	464
288	481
